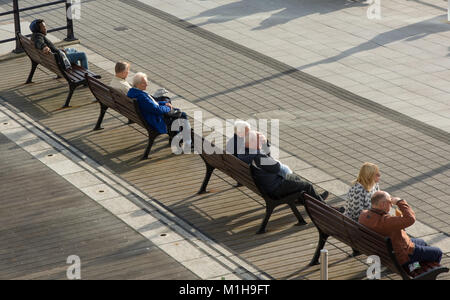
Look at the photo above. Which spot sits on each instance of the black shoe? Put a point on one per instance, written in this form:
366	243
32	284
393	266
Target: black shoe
324	195
97	76
339	209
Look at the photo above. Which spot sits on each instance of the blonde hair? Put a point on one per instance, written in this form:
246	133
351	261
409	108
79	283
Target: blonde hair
366	176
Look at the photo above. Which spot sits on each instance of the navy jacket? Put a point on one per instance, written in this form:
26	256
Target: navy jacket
267	172
152	112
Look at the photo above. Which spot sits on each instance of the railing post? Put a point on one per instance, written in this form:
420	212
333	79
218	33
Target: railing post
17	26
69	14
323	264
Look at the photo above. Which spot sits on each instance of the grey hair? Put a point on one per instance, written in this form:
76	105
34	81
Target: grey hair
138	78
240	126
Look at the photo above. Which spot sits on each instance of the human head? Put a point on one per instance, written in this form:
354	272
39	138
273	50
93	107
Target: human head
140	81
253	141
381	200
38	26
241	128
369	175
122	69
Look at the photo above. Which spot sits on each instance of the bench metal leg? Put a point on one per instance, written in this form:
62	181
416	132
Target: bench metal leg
300	219
69	97
269	211
33	69
151	139
103	109
322	240
209	171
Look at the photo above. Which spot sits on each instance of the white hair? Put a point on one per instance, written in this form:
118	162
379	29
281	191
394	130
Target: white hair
240	127
138	78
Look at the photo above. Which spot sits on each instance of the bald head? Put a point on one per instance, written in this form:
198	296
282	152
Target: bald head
381	200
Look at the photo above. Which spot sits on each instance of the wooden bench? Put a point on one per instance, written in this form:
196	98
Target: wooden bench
109	97
244	174
330	222
74	76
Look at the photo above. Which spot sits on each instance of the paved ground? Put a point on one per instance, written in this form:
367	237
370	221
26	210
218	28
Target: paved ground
42	227
400	61
327	127
331	129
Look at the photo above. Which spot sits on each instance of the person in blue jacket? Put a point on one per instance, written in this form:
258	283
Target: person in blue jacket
159	115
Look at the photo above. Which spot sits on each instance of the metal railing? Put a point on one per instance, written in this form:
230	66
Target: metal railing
16	11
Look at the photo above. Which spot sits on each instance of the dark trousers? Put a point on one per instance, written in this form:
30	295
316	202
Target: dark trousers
294	184
171	117
424	253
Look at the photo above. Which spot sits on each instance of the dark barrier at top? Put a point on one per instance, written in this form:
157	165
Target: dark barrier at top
16	12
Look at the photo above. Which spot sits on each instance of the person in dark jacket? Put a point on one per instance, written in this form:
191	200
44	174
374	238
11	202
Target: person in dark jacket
272	180
41	42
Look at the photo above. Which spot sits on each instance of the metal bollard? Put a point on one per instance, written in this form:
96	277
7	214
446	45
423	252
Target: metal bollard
324	264
70	34
17	28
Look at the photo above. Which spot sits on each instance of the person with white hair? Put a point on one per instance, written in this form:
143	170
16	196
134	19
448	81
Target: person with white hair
159	115
238	144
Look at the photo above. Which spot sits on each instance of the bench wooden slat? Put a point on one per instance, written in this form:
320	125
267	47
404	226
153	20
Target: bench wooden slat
332	223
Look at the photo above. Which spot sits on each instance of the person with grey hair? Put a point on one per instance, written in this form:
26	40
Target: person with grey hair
407	250
160	115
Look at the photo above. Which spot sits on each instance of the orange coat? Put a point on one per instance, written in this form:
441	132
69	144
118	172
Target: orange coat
393	227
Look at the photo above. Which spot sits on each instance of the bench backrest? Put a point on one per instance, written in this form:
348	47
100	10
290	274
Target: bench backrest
128	107
47	60
100	91
332	223
116	100
228	164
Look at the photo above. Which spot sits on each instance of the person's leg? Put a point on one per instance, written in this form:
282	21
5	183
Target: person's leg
284	170
426	254
419	242
293	184
79	58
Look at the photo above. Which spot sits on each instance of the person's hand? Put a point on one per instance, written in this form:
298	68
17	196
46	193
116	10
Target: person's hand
395	200
46	50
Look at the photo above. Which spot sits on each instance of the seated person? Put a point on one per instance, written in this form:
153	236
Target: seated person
407	250
238	145
119	81
160	116
39	30
270	178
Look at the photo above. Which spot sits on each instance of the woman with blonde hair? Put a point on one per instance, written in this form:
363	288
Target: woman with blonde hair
359	195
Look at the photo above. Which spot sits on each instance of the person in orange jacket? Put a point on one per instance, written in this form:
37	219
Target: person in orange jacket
408	250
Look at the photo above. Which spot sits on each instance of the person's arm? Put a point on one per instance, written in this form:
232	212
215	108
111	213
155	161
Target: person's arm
267	163
39	42
150	107
408	218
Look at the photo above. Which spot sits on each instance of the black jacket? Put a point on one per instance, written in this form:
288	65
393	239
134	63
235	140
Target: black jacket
267	172
40	41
